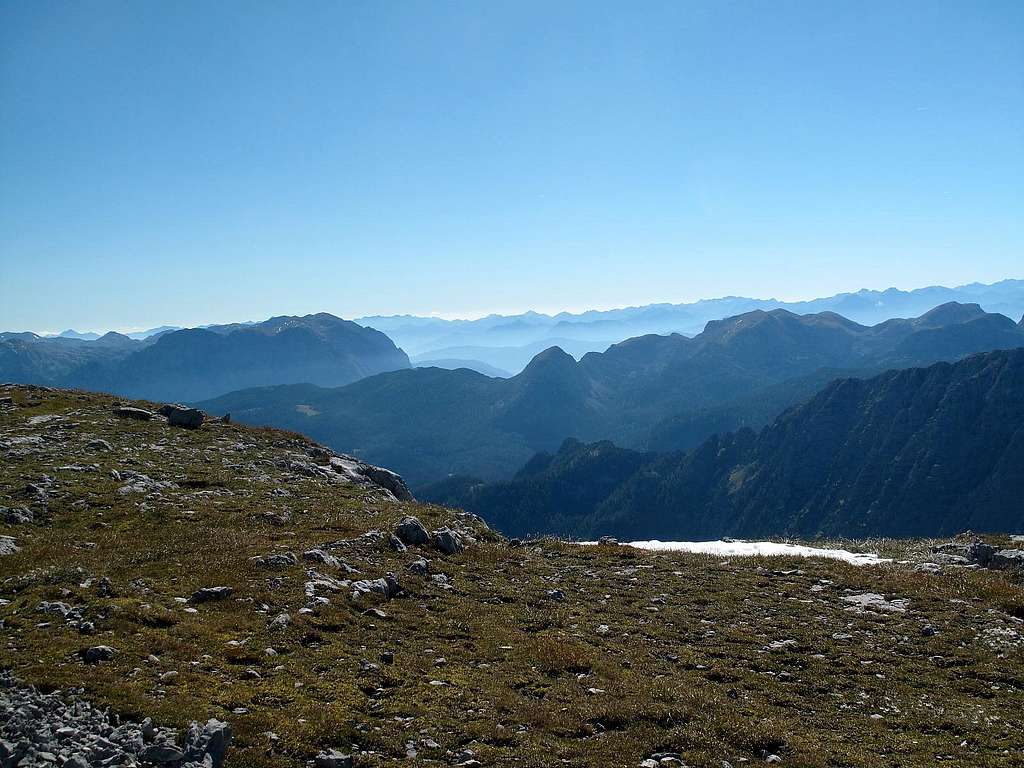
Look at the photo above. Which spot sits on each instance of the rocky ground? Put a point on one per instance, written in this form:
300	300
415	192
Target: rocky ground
154	575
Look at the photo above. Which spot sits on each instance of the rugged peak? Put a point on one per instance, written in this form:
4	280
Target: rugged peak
550	360
113	338
569	445
71	333
951	313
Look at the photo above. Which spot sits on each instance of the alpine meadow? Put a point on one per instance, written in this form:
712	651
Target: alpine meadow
576	385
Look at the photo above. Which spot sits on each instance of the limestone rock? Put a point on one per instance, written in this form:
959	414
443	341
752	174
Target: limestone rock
412	532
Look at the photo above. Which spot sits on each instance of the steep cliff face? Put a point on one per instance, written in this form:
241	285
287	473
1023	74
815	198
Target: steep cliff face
913	452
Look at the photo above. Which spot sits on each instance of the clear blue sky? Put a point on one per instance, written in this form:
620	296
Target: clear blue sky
187	162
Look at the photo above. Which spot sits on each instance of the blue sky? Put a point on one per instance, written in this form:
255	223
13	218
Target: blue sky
189	162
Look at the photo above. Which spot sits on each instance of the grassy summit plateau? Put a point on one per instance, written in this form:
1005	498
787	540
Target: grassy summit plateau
540	654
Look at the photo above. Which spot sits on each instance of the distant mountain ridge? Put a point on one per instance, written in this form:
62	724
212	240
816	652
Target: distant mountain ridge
429	423
915	452
192	364
594	330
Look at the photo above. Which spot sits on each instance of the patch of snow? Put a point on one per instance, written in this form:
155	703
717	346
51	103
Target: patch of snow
737	548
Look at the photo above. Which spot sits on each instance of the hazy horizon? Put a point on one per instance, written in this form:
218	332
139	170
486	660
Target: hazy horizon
453	317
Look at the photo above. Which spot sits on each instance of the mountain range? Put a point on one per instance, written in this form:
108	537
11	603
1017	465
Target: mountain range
429	423
192	364
433	338
915	452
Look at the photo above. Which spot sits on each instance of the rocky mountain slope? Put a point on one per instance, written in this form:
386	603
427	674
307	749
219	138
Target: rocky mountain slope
246	578
917	452
198	363
431	423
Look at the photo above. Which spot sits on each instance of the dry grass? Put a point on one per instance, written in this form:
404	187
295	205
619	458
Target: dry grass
683	666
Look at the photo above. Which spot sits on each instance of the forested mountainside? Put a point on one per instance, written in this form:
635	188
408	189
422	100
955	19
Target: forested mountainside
915	452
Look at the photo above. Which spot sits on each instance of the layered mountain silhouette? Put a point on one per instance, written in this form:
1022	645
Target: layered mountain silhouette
429	423
502	340
916	452
198	363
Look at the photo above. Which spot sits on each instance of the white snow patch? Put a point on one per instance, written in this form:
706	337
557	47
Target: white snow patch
737	548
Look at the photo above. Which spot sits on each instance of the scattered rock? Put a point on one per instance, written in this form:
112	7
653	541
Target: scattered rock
1007	559
16	515
105	588
361	473
98	653
872	601
162	754
211	741
412	532
7	545
207	594
448	541
332	758
277	518
320	556
420	567
180	416
62	729
128	412
385	478
277	560
386	586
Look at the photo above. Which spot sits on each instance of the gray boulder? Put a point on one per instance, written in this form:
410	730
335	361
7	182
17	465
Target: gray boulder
16	515
332	758
361	473
128	412
180	416
208	743
319	556
98	653
385	478
419	567
386	586
1007	559
162	754
277	560
980	553
448	541
207	594
412	532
